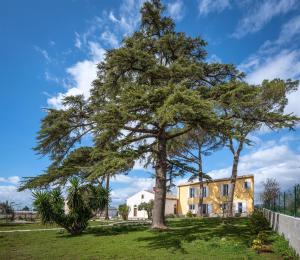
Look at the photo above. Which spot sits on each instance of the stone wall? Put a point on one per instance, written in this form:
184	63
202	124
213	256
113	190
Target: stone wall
286	225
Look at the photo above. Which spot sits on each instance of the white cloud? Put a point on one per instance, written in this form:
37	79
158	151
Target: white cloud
176	10
289	31
110	38
43	52
78	42
81	75
128	17
11	180
9	192
212	6
285	64
261	14
20	199
279	58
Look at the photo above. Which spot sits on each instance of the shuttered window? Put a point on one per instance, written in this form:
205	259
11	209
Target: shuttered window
192	193
246	185
191	206
225	189
204	192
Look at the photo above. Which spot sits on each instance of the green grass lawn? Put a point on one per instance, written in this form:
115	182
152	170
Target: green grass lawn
186	239
38	225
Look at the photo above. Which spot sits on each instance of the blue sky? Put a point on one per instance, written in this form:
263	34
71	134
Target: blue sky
49	49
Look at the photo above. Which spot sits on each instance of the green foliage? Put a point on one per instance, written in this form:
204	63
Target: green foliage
189	214
124	211
154	88
281	246
25	208
258	222
148	206
186	239
257	245
262	236
82	200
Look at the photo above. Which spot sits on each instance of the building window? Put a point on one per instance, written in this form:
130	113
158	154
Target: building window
223	206
246	185
175	209
192	192
135	211
191	206
204	209
204	192
240	207
225	189
142	196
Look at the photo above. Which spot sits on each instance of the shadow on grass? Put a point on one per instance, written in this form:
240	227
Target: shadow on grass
189	230
109	231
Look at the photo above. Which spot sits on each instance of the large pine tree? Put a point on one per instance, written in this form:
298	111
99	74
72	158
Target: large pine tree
154	88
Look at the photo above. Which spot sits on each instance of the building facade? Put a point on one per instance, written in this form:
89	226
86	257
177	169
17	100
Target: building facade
145	196
215	197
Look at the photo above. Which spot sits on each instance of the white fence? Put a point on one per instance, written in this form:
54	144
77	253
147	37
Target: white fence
286	225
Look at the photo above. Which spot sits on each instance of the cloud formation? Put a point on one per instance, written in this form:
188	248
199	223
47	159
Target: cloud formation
212	6
278	58
260	14
79	76
176	9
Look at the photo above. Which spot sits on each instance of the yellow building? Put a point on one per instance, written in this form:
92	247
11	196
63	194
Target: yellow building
215	193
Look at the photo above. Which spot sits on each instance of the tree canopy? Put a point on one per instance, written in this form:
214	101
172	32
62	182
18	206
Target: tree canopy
157	86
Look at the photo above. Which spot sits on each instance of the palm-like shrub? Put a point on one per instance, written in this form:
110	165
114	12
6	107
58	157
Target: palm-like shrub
82	201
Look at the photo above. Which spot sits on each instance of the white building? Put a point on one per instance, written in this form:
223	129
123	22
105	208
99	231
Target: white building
145	196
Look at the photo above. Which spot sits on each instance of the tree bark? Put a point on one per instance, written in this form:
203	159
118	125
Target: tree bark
232	182
234	172
158	217
107	188
200	178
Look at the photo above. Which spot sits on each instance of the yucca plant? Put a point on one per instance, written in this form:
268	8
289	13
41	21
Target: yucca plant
82	201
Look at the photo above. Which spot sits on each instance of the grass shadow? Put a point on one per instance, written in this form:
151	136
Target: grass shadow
109	230
189	230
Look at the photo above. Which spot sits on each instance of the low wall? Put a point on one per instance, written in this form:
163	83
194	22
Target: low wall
287	225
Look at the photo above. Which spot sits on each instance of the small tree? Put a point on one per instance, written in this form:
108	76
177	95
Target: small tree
186	154
7	210
246	108
82	200
25	208
270	192
124	211
148	206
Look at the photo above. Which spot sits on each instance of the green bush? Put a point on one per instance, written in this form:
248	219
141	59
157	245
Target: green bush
258	222
263	236
171	216
282	247
189	214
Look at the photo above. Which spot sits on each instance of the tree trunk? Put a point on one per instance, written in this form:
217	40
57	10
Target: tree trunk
107	188
232	182
200	177
158	217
